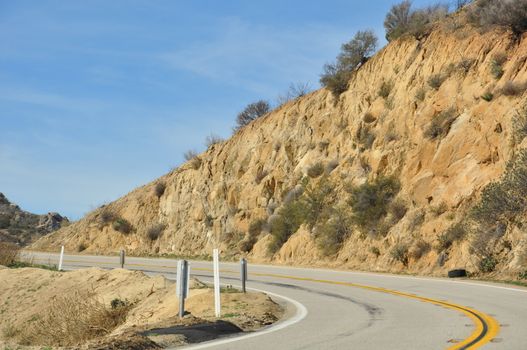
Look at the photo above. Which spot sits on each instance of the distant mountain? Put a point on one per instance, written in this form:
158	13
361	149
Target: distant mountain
21	227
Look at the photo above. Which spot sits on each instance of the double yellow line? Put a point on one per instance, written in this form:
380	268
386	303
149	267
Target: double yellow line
486	327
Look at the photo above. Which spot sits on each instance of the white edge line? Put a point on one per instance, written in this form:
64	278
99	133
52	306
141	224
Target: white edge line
300	314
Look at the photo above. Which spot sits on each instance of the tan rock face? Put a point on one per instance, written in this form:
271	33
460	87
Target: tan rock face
247	176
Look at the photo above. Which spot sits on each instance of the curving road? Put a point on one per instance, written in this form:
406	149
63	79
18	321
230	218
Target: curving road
351	310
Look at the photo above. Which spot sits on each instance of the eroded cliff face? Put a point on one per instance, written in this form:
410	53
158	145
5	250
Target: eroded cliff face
247	176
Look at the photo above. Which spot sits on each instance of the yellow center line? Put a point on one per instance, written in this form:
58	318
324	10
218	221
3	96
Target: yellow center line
486	327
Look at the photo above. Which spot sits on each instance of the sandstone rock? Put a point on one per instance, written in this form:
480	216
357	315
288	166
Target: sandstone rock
450	169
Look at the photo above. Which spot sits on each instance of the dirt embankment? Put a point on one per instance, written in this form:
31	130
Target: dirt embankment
94	308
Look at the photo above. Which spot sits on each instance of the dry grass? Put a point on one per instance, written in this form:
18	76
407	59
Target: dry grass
419	249
72	320
192	157
8	253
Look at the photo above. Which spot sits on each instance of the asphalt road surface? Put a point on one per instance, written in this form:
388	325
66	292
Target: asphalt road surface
330	309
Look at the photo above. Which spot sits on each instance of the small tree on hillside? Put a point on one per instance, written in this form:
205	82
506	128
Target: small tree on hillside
401	19
397	20
353	54
251	112
357	51
507	13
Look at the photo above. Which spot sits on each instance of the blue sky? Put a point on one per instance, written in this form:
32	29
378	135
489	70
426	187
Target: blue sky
99	97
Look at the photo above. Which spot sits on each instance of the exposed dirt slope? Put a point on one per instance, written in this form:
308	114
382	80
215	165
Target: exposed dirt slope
246	177
37	305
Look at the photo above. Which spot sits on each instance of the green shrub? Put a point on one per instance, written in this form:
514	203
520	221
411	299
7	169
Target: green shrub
397	210
122	225
318	200
335	79
81	247
368	118
504	200
523	275
370	201
159	189
490	13
399	252
465	64
487	264
419	249
251	112
420	94
385	89
9	253
155	231
106	216
255	228
365	137
511	88
416	220
439	209
441	124
331	234
436	80
401	19
353	54
519	124
496	65
315	170
454	233
487	96
375	251
501	203
209	221
118	303
286	222
5	221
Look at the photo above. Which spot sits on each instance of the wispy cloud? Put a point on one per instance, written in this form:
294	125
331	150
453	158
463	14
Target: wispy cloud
58	101
241	52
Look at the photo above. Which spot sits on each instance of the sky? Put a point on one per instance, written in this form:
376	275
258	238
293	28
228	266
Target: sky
99	97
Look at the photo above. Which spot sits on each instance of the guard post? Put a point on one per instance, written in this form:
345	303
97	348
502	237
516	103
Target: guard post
121	258
243	266
182	285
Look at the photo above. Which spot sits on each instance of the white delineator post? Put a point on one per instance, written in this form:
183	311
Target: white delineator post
216	262
61	258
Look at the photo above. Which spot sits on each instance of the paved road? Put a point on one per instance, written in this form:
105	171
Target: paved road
351	310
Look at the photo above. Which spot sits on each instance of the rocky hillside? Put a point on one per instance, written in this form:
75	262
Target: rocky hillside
383	178
20	227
